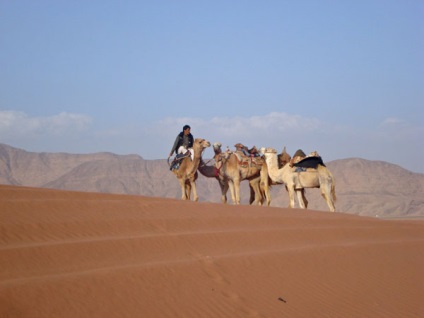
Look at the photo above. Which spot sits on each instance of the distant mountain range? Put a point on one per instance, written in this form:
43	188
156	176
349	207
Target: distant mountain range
370	188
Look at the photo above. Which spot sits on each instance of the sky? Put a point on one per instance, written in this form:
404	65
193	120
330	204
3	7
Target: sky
344	78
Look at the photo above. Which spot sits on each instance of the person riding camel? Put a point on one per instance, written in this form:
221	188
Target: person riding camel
183	141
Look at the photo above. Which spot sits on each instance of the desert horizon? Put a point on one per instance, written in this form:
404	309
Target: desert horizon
86	254
363	187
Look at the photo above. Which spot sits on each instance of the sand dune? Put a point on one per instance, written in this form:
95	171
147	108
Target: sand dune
74	254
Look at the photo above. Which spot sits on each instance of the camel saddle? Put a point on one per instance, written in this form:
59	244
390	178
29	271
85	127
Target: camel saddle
175	164
248	161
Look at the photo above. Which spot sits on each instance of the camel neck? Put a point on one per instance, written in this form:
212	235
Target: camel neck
196	160
272	162
207	171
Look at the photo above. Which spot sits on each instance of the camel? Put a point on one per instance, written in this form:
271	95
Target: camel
296	182
210	172
283	159
233	167
187	172
213	172
266	182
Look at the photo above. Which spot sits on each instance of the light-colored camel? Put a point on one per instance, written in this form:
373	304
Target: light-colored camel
235	168
295	182
187	172
283	159
266	182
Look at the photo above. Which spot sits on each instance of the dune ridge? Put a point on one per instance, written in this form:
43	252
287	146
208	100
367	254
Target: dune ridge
81	254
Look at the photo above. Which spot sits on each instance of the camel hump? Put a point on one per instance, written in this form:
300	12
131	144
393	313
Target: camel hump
299	153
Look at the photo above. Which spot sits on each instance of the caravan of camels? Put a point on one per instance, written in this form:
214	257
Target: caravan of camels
261	168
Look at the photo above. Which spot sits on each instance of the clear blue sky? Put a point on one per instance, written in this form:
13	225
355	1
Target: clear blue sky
345	78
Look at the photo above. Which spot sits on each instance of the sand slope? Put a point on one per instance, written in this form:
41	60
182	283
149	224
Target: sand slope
71	254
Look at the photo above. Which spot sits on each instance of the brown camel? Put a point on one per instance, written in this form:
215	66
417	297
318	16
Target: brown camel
295	182
212	172
235	167
187	172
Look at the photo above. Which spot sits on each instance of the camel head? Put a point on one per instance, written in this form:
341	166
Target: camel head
283	158
200	144
239	146
268	150
217	147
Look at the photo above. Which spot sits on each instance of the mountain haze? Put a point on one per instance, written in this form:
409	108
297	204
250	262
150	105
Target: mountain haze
362	186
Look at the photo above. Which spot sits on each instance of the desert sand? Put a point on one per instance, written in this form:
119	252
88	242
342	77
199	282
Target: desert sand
76	254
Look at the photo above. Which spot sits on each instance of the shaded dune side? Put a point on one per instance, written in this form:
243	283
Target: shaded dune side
71	254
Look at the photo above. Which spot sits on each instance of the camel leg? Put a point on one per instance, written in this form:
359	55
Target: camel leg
300	198
326	194
267	196
193	187
333	194
291	192
188	190
305	202
252	194
258	194
263	196
255	192
287	189
183	190
255	195
264	187
232	191
224	190
237	190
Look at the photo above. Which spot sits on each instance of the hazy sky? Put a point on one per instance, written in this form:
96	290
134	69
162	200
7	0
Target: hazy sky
345	78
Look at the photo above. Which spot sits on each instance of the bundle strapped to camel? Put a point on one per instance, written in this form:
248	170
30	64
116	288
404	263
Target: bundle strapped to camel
247	161
310	162
247	157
